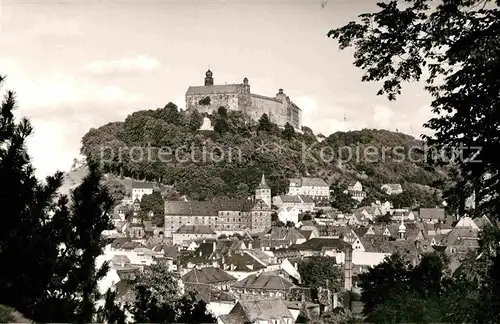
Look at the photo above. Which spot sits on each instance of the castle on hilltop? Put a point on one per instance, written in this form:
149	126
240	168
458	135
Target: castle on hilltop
237	96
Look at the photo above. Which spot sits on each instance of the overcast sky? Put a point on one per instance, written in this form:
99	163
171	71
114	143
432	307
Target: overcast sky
80	64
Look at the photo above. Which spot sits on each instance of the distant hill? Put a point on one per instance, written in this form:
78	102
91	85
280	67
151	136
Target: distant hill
250	149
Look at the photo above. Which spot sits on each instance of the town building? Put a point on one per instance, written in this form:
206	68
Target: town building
262	286
300	202
392	188
140	189
266	311
432	215
224	216
215	278
313	187
237	96
187	233
355	190
288	214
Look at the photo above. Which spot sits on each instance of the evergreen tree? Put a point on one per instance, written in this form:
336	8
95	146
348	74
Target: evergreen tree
34	222
158	300
455	46
90	210
50	248
221	126
110	312
195	120
265	124
172	114
288	132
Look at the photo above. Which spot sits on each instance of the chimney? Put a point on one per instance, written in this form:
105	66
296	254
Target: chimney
200	253
214	246
250	246
295	265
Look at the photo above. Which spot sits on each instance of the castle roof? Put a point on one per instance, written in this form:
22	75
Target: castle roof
210	208
254	95
213	89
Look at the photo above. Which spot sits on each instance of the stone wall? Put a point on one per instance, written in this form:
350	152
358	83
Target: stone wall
230	101
275	110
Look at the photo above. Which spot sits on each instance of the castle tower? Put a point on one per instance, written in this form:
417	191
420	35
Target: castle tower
281	96
209	80
402	229
246	86
263	192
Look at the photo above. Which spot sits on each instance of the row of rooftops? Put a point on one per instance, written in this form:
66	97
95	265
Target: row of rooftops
213	207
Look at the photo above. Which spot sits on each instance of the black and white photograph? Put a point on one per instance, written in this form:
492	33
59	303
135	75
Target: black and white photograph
250	161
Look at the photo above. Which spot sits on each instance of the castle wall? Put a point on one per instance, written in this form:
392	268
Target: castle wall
227	100
275	110
295	116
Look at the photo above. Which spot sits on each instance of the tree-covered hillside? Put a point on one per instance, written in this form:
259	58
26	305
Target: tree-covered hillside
166	145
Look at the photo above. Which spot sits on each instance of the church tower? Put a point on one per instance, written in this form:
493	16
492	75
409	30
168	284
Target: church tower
209	80
263	192
402	229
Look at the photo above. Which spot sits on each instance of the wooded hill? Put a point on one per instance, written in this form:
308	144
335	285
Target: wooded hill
175	152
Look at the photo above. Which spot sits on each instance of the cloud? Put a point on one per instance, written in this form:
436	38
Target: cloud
137	64
62	109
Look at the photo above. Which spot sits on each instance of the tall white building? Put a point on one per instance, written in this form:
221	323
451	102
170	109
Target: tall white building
140	189
314	187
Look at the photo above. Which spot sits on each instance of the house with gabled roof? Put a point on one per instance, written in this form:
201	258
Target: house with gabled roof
216	278
405	213
432	215
460	240
263	311
243	264
212	252
319	246
187	233
483	222
300	202
262	285
475	224
308	234
370	230
279	237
